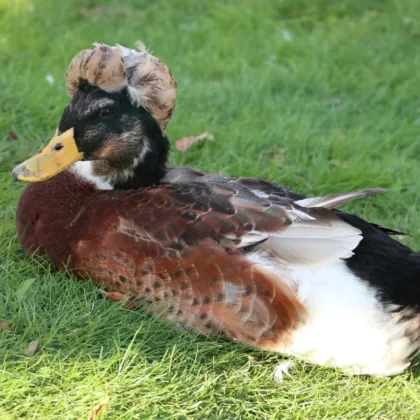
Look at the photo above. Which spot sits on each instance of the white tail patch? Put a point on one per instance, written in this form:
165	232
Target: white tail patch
346	326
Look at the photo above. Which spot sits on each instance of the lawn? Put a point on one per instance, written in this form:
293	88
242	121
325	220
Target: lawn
322	96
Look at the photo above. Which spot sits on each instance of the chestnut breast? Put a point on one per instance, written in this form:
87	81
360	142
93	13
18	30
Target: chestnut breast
45	212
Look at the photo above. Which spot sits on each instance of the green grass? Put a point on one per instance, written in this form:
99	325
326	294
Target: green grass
263	77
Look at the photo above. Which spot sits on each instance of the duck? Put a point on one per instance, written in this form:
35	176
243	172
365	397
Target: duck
238	256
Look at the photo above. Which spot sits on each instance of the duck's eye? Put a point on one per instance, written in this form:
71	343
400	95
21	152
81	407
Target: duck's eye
105	112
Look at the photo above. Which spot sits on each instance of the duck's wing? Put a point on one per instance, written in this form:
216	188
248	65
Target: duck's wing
183	250
176	216
182	175
268	189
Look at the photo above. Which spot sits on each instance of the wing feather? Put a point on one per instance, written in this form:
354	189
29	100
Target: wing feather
180	215
336	200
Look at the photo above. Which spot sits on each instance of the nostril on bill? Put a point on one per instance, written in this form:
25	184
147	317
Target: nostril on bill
58	147
17	171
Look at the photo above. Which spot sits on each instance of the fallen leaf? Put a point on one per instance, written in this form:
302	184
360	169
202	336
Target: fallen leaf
185	143
13	135
32	348
93	414
4	324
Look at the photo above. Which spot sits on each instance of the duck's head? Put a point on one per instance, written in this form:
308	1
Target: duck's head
113	131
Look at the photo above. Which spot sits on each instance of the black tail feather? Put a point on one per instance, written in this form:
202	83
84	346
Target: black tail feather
390	231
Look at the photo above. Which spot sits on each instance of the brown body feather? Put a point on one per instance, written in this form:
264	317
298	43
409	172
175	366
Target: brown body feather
166	248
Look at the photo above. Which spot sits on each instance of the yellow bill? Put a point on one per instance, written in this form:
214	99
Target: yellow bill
59	154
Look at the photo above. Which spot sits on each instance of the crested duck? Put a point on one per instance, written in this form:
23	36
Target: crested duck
239	256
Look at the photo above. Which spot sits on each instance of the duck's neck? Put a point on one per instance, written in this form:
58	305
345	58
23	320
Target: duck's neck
142	175
137	177
145	170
